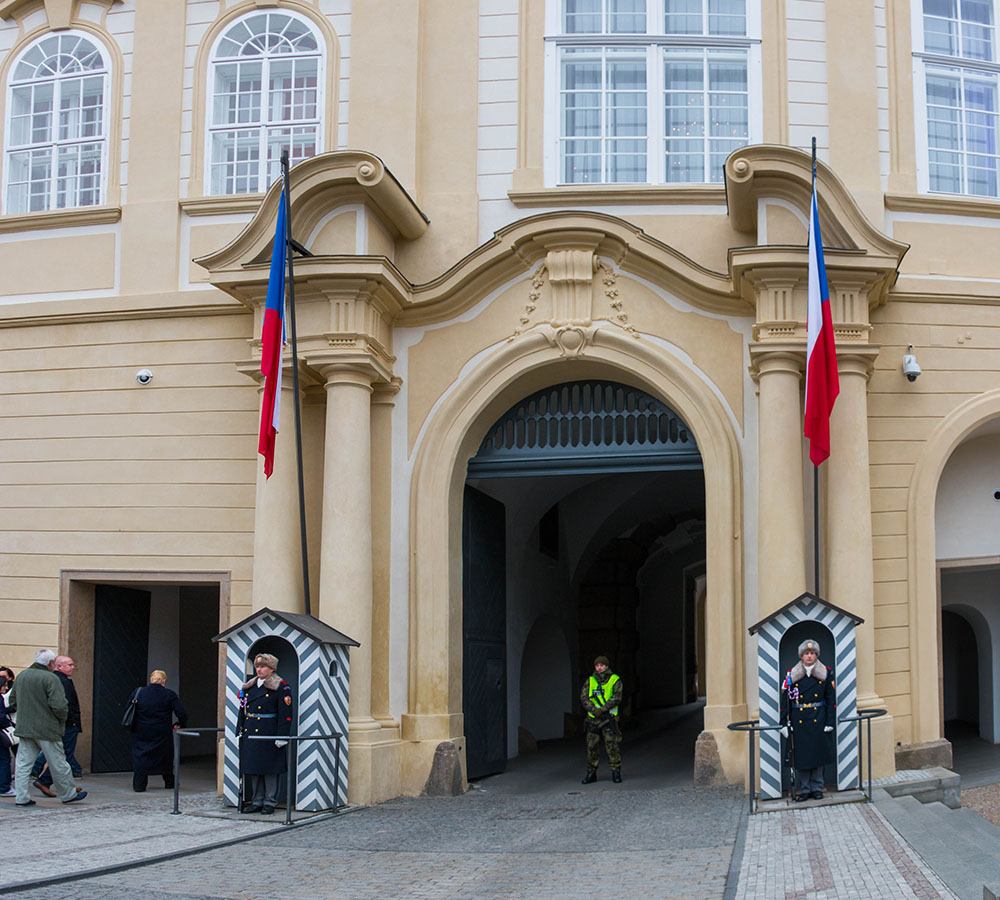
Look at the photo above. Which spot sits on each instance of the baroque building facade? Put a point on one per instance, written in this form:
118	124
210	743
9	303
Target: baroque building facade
551	333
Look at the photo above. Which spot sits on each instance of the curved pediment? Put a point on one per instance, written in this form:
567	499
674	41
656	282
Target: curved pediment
769	171
320	186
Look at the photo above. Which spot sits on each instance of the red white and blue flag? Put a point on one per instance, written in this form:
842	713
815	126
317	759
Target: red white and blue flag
272	338
822	381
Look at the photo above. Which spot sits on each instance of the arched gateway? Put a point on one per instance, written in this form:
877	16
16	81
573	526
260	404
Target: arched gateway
456	432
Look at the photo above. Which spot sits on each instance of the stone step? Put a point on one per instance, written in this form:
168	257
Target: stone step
962	848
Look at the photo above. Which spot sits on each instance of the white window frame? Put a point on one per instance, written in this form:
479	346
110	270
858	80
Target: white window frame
922	60
55	143
653	41
263	127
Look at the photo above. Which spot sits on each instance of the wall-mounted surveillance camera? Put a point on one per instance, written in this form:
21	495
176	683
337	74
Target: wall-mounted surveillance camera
144	376
996	496
911	369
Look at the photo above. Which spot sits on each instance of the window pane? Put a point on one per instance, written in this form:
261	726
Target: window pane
581	162
684	17
299	143
235	163
627	16
685	162
292	90
78	173
582	17
237	93
727	17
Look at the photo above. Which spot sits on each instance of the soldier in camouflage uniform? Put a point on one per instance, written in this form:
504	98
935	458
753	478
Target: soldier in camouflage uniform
600	698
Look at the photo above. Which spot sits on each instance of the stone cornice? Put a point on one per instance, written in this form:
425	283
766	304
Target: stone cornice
61	218
317	186
589	196
944	205
766	170
239	204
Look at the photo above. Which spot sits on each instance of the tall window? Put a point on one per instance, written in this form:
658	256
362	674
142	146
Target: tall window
265	97
651	91
56	137
960	67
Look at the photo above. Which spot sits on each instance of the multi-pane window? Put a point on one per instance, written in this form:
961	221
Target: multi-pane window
56	138
265	98
961	110
651	91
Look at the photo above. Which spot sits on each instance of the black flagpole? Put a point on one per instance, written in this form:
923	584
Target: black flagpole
289	253
815	467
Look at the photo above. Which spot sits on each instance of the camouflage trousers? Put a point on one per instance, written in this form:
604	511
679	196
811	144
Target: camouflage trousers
612	745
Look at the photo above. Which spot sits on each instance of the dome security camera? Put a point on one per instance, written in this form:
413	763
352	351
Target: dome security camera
144	376
911	368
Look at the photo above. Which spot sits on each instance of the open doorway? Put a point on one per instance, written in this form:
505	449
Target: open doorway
586	537
119	627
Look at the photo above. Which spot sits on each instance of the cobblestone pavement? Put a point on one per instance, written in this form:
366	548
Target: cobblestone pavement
630	845
845	852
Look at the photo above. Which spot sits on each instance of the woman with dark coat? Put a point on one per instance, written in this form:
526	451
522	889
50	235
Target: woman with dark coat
152	746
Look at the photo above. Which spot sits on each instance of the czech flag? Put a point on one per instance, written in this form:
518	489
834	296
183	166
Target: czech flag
272	338
822	381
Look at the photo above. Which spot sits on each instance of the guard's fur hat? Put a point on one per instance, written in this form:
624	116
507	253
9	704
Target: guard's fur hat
266	659
808	645
602	661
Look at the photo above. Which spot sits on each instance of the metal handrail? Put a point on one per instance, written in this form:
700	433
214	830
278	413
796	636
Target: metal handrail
752	726
293	739
866	716
178	733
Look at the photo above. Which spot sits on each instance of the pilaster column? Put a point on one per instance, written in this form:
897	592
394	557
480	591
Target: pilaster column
383	401
781	563
345	585
849	569
277	550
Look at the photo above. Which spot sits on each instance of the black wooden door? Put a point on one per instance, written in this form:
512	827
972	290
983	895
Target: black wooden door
788	656
484	628
121	646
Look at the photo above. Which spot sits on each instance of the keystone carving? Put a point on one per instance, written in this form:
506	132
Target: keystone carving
571	276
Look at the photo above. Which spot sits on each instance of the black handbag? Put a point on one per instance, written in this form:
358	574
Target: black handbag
128	719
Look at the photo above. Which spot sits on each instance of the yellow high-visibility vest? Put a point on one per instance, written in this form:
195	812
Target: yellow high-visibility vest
604	692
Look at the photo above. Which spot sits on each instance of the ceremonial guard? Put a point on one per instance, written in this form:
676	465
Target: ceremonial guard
808	714
600	697
265	709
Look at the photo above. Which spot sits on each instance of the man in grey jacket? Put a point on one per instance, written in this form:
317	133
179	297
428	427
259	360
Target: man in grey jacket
41	705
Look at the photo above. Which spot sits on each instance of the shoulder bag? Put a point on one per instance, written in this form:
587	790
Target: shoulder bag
128	719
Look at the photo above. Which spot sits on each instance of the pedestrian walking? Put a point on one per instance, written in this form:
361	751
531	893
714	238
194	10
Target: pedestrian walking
808	712
600	697
64	669
40	702
156	708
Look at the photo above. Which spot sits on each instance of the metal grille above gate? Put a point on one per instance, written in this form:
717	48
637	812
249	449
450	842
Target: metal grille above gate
586	427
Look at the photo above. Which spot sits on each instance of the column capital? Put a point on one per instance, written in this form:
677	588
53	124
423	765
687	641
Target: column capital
774	357
384	392
251	368
340	366
857	360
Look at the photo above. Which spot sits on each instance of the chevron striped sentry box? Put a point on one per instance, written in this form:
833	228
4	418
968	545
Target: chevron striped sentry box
321	697
769	631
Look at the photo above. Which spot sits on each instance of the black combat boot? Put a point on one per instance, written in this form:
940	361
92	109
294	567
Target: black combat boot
616	776
590	777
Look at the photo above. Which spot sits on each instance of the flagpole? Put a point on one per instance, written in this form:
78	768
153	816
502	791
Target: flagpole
815	467
289	253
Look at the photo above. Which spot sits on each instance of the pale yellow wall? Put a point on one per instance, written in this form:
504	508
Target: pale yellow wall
45	265
958	348
99	472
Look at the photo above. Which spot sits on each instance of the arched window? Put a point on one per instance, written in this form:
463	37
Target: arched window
265	97
56	138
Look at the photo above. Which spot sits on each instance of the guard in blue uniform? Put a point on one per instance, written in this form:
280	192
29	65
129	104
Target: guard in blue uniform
809	711
265	709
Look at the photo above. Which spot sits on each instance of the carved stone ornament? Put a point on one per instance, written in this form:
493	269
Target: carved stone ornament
611	292
571	340
537	280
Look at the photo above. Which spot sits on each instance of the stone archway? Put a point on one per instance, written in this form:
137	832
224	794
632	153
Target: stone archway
922	576
453	434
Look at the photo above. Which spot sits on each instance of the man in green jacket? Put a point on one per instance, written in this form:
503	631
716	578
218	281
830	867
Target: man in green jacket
40	702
